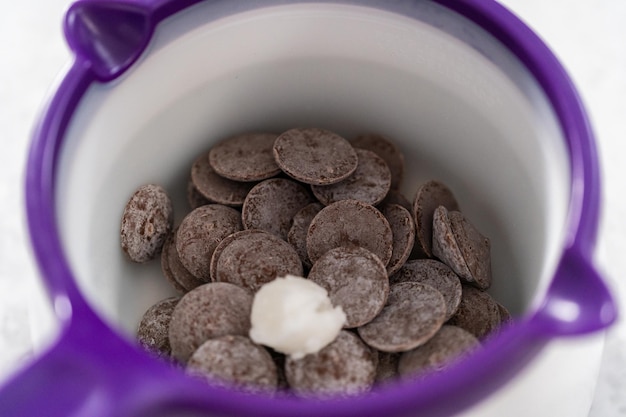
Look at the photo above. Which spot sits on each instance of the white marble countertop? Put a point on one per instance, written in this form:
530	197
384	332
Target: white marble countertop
587	36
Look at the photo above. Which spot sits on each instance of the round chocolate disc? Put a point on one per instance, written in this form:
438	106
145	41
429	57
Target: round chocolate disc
413	314
200	232
153	330
234	361
147	220
208	311
403	229
165	267
247	157
315	156
194	198
253	258
173	270
478	312
475	247
387	150
446	347
445	246
345	367
220	248
271	205
430	195
216	188
435	274
222	245
350	223
355	279
369	183
299	229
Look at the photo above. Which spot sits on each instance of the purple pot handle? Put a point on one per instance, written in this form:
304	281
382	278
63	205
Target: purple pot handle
64	381
110	35
92	372
578	300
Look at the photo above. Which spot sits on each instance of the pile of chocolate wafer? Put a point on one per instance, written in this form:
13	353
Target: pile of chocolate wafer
411	277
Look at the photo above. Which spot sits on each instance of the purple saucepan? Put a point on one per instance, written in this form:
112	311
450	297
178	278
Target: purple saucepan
93	369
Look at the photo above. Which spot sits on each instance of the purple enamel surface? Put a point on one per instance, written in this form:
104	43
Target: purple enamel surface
79	364
110	36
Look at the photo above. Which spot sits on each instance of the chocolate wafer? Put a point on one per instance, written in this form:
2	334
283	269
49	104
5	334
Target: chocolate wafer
350	223
315	156
355	279
413	314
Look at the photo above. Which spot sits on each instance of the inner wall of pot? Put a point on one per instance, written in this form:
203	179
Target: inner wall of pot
463	111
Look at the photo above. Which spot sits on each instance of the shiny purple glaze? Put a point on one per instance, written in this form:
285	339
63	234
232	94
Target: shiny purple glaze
92	371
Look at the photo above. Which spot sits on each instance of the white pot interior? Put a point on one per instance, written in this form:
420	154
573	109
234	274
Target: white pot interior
458	104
